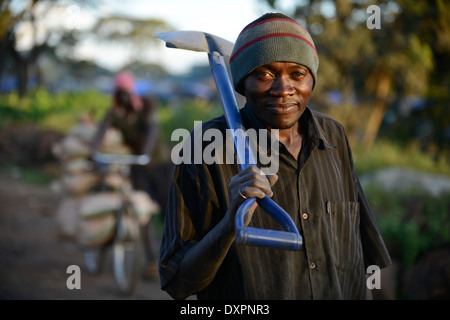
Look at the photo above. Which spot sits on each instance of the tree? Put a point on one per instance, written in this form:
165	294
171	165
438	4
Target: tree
129	31
61	39
32	15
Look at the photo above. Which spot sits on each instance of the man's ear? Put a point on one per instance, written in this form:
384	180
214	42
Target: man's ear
241	86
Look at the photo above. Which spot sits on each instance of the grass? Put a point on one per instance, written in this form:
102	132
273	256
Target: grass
385	153
28	174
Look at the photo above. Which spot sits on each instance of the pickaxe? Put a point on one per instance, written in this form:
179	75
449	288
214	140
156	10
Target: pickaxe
217	48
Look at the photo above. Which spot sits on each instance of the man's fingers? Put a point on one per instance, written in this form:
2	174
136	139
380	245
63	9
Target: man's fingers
255	183
273	178
253	192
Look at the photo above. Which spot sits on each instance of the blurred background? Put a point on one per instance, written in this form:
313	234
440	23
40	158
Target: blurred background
384	74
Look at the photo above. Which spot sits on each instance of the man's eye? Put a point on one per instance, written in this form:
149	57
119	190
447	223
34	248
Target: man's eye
298	74
264	75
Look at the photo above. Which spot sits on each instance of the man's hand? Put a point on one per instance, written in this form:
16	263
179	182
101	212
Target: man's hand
249	183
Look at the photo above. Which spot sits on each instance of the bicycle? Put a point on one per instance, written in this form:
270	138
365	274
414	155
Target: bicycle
127	240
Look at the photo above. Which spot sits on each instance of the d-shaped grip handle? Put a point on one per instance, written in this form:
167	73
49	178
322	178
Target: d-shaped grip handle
289	239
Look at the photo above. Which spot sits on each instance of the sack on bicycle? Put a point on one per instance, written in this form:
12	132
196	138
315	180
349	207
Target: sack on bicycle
86	215
90	219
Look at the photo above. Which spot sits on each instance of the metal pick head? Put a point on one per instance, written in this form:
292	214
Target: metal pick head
196	41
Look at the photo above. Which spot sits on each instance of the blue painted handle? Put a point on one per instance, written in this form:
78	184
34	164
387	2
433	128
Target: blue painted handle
289	239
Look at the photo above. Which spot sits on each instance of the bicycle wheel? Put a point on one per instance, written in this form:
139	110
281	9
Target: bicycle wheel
128	252
94	259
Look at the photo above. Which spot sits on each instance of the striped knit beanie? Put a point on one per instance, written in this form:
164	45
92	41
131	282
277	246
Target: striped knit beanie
272	37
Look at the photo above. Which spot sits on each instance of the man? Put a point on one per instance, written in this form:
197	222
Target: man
135	118
274	65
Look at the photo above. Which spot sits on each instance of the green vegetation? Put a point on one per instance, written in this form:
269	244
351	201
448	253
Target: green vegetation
184	116
50	111
385	153
29	174
412	223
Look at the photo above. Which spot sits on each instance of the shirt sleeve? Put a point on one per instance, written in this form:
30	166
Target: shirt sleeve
177	223
374	248
186	220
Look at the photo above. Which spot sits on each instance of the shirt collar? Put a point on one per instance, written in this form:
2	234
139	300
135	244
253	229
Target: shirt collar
315	130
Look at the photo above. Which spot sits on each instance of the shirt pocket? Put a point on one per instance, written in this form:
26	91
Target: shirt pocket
345	235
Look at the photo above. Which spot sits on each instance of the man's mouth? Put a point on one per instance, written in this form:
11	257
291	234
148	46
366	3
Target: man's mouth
281	108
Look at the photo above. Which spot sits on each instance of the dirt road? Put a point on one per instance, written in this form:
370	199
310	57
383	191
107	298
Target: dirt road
33	262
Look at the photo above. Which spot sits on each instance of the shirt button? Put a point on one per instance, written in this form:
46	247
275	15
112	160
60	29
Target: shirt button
312	265
305	216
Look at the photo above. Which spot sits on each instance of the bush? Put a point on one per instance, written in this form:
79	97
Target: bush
184	116
412	222
385	153
50	112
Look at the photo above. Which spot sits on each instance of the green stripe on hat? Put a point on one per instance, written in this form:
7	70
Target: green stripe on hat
272	37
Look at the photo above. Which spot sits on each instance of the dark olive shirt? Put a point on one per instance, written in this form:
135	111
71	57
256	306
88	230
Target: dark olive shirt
321	193
134	126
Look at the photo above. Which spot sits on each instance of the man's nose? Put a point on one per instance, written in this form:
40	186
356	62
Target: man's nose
282	87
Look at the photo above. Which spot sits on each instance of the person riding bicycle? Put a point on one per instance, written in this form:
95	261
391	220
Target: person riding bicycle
134	116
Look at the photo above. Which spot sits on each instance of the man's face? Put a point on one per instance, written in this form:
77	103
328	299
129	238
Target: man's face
278	93
123	99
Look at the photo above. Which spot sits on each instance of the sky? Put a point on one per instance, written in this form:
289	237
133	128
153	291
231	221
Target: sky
222	18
